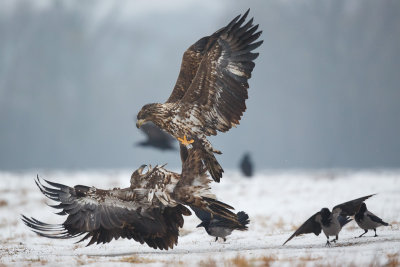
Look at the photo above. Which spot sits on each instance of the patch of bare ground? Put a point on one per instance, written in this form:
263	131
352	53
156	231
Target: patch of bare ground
267	261
3	203
207	263
82	260
135	259
240	261
393	260
279	224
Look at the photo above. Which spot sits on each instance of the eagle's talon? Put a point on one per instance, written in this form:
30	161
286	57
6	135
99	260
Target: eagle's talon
184	141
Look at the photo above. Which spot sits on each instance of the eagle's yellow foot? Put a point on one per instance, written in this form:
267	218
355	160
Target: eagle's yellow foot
184	141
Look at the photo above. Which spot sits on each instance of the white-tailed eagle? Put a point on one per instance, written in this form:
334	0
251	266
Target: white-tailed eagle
149	211
211	89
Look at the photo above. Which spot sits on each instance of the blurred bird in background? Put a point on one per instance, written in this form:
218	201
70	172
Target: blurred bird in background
156	138
246	165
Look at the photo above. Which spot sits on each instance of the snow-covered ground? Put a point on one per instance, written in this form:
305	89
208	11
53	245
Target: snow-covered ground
277	203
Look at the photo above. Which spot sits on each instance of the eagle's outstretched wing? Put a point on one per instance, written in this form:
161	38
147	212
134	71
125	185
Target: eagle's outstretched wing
214	74
309	226
106	214
351	207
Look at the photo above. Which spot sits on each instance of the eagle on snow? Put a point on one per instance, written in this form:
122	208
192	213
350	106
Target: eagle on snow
211	89
149	211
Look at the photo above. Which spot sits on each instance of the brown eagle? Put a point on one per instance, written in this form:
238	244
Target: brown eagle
211	89
149	211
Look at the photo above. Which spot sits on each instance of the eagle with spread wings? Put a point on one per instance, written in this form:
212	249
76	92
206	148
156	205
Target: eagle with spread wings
149	211
211	89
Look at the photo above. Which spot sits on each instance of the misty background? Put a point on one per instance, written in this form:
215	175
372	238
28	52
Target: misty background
73	74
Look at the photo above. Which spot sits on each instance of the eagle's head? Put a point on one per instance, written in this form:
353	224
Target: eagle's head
149	112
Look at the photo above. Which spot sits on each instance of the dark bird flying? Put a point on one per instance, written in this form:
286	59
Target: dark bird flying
367	220
149	211
211	89
156	138
330	222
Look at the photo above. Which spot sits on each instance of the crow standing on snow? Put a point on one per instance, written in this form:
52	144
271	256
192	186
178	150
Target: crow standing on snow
220	227
246	165
330	222
367	220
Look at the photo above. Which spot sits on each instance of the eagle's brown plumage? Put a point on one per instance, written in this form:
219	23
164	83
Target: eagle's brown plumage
149	211
211	89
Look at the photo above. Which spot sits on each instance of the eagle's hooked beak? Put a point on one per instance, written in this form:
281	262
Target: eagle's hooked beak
139	123
141	168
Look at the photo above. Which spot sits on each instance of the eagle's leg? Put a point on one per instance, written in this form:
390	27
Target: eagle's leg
184	141
211	163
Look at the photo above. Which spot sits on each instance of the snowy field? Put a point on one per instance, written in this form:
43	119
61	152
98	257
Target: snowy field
277	203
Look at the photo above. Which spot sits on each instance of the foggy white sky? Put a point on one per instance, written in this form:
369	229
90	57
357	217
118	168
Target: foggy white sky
73	74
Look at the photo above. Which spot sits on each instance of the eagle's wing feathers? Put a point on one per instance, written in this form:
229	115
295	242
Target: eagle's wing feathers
106	214
190	63
219	88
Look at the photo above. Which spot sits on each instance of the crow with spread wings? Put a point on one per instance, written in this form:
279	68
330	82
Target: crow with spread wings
149	211
331	223
211	89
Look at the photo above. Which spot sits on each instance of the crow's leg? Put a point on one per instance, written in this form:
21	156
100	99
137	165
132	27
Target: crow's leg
366	231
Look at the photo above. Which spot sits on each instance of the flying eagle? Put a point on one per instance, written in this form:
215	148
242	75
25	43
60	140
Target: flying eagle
156	138
211	89
149	211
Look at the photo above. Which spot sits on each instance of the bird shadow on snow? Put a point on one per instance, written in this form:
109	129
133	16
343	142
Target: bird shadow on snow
352	242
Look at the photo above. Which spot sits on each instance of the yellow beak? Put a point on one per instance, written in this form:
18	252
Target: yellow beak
139	123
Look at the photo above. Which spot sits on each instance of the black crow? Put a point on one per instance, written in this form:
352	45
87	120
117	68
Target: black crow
330	222
220	227
246	165
156	138
367	220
